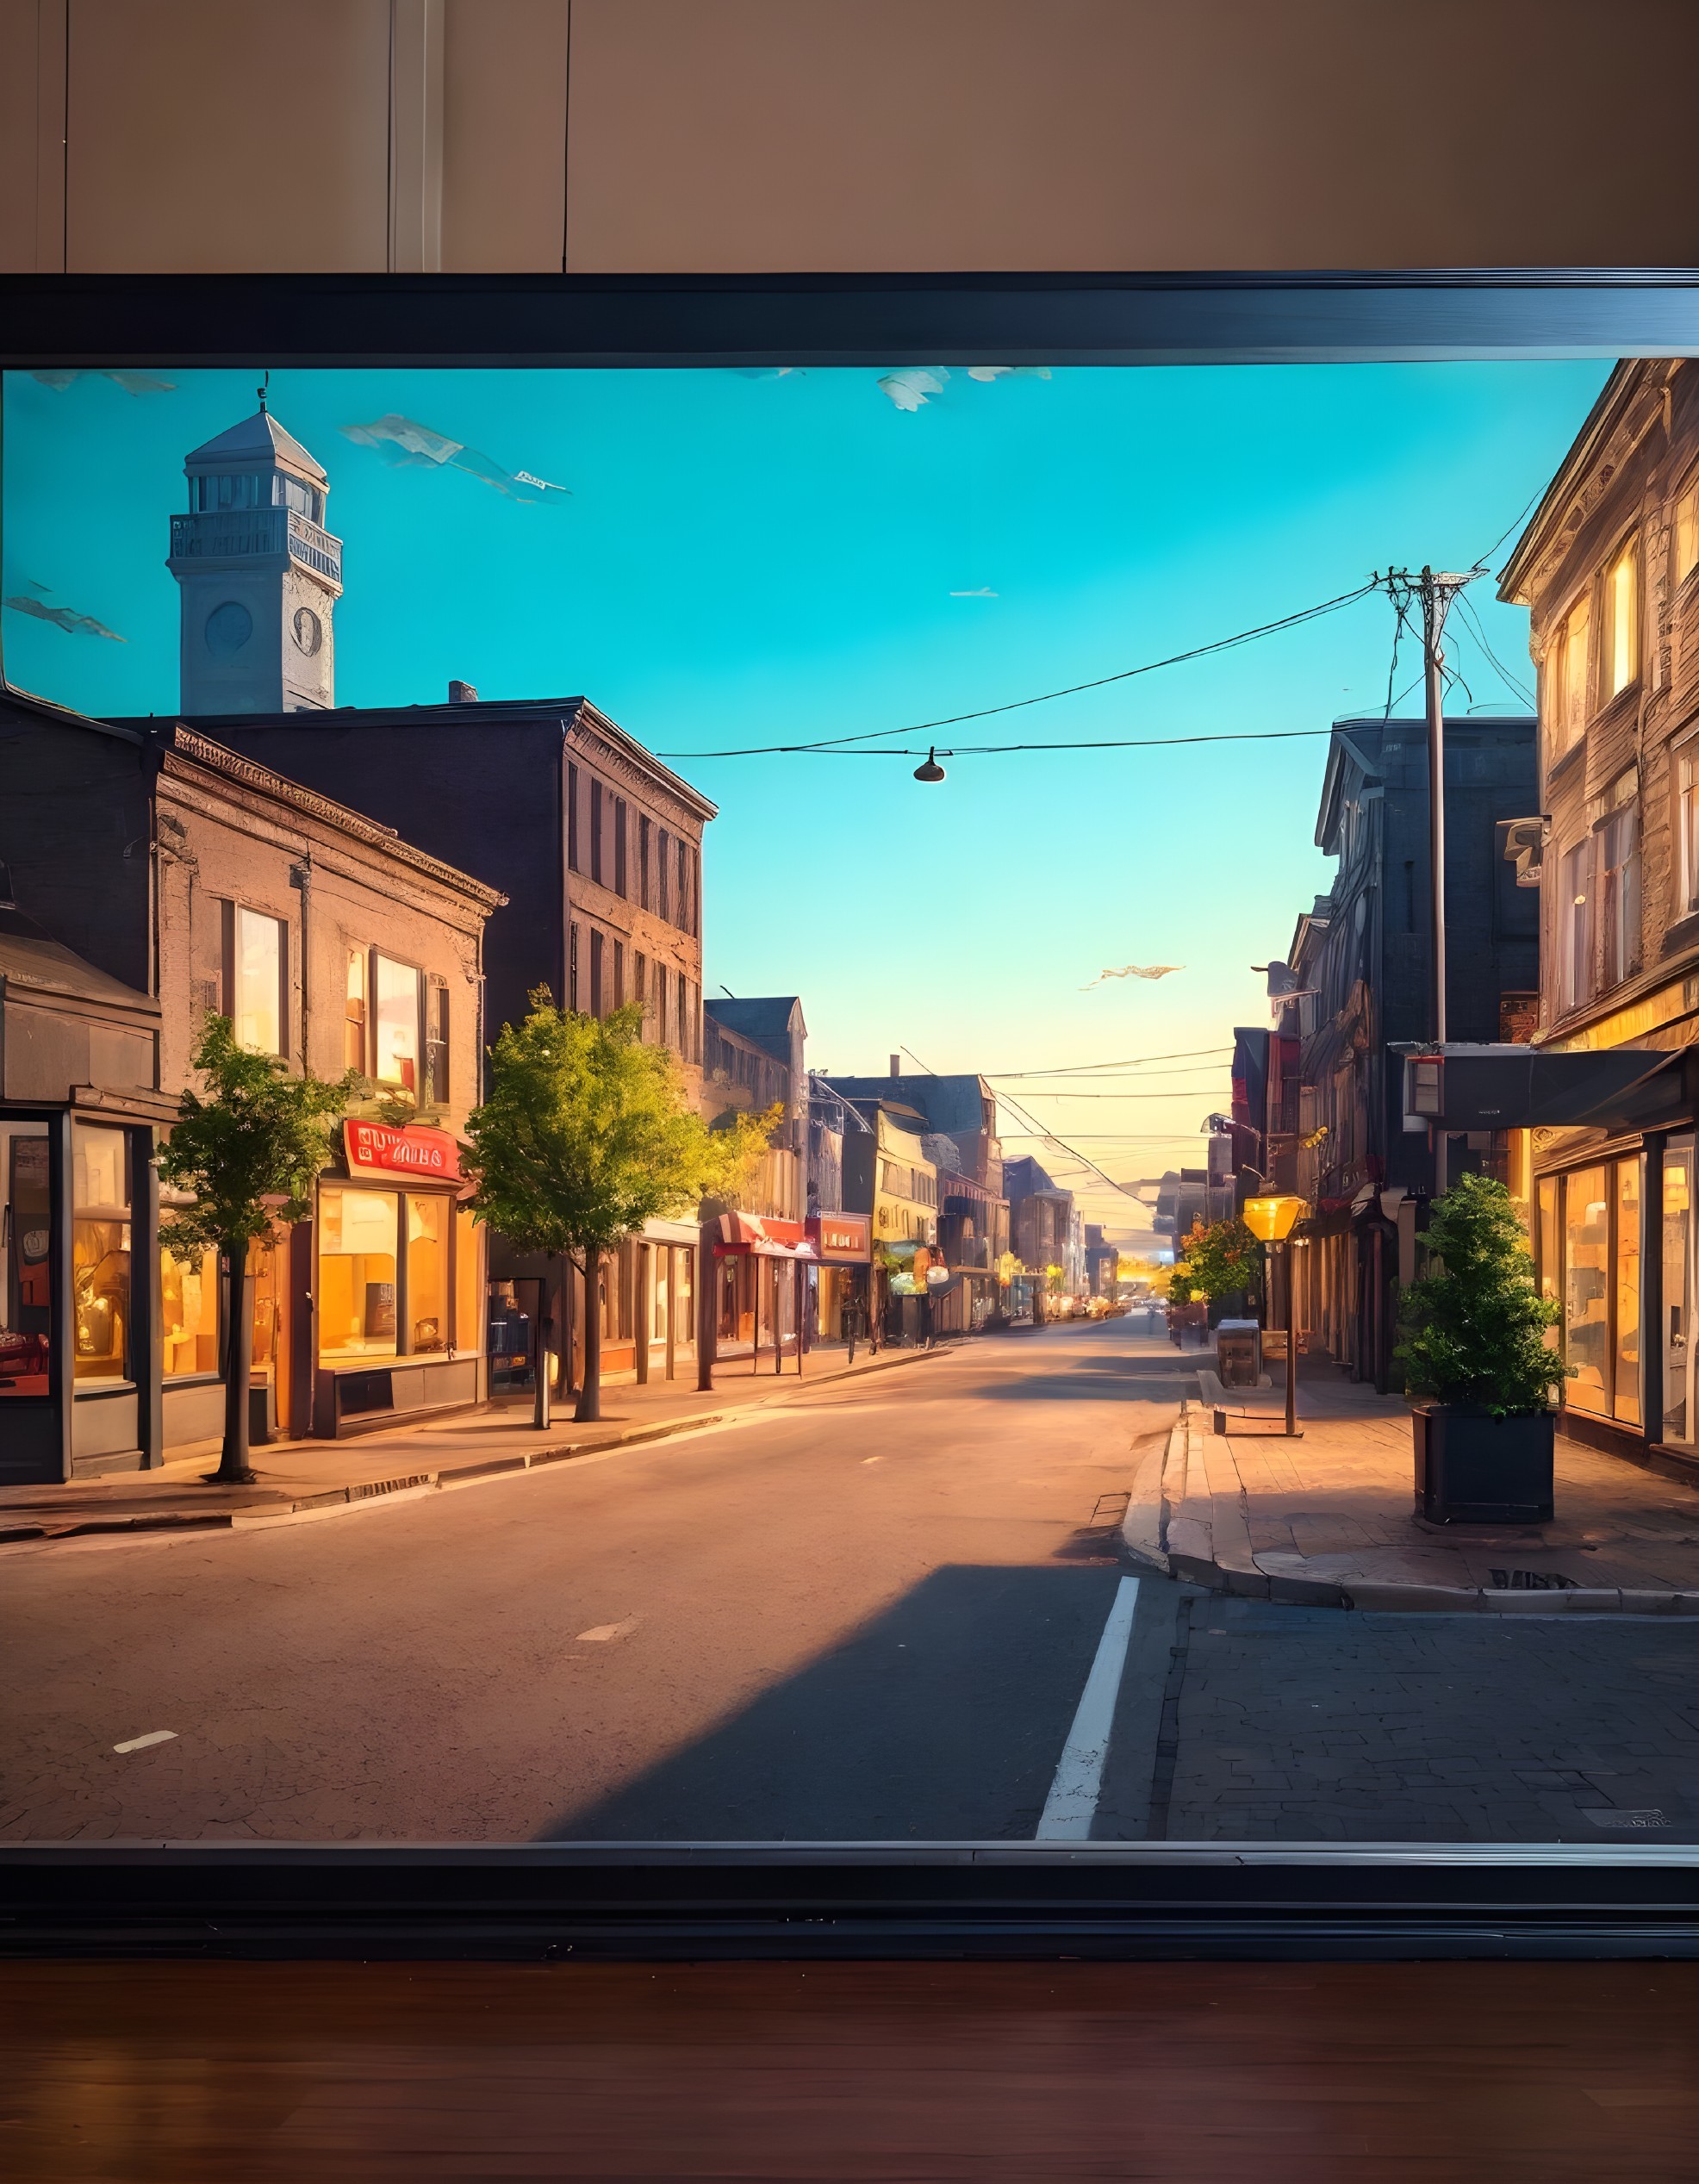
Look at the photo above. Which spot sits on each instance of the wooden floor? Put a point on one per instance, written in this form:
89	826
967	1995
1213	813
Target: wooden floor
243	2074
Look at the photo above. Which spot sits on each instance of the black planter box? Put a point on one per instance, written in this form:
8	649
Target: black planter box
1471	1468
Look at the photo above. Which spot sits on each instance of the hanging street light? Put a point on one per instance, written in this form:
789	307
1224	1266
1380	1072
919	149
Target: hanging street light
931	771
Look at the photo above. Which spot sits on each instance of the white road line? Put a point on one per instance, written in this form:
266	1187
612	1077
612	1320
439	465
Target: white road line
604	1633
140	1744
1072	1804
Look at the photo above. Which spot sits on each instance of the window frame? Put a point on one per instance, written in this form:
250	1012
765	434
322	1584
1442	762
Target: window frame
1229	1900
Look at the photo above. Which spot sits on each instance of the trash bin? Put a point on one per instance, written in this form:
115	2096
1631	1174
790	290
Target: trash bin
1238	1353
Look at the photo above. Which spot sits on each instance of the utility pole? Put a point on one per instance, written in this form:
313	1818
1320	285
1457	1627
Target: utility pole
1435	589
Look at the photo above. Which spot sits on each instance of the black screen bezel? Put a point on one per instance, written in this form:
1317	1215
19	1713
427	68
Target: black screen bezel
770	1900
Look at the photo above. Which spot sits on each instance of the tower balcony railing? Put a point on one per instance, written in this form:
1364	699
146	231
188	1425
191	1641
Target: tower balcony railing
236	534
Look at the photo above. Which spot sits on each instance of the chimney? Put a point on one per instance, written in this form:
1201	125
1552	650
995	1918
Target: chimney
896	1065
462	693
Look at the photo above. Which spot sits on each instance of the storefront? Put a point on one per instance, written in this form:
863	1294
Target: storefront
838	1302
760	1294
398	1296
1590	1247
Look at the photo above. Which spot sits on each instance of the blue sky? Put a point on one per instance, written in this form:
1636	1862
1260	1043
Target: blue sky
749	560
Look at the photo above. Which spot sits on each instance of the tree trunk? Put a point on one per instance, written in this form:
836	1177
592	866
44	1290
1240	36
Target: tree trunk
232	1462
588	1410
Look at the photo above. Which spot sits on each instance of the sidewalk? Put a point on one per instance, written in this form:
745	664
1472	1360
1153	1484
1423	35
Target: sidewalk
301	1480
1327	1521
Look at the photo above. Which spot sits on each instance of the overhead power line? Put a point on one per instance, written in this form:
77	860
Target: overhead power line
1048	697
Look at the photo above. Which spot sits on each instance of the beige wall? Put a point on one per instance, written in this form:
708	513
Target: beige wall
281	135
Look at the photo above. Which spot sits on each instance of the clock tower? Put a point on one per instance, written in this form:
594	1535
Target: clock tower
258	574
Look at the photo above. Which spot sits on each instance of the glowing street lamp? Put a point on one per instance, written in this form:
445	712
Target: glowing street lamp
1273	1218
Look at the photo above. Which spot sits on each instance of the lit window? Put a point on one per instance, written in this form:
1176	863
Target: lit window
1619	632
257	1001
1687	533
354	1012
1568	680
397	1025
356	1292
189	1313
100	1252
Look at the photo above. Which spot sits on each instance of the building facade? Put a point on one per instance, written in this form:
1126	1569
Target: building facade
1359	978
168	878
959	1137
596	844
1609	569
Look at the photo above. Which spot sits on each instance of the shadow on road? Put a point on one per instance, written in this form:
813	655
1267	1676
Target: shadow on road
943	1717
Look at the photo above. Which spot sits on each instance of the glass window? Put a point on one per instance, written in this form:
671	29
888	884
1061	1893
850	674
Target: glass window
468	1282
1548	1243
265	1303
1687	797
1627	1403
357	1236
1620	628
354	1012
1587	1290
396	1062
428	1274
1687	533
1619	907
189	1313
26	1234
258	1000
1575	916
436	1042
100	1252
1571	706
1678	1390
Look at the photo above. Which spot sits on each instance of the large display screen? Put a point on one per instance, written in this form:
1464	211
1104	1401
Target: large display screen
689	1059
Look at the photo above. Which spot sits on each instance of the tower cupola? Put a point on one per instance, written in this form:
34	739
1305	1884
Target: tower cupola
258	574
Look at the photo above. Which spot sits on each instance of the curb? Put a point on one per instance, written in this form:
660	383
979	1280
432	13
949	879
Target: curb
413	1486
1148	1541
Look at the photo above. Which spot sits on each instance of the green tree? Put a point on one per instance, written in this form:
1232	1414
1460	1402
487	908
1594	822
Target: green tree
1474	1329
1222	1259
584	1135
248	1151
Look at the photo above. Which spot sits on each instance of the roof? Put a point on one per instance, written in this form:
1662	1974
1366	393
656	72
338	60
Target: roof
766	1023
30	958
258	439
954	1103
185	751
1360	741
564	714
1595	428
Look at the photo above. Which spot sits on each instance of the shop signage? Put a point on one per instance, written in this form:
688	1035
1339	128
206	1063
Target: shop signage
842	1236
373	1148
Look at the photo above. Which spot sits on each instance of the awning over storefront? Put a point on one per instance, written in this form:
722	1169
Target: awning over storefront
761	1235
670	1232
1516	1088
841	1239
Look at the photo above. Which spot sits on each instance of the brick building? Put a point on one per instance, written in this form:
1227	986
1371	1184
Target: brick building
157	876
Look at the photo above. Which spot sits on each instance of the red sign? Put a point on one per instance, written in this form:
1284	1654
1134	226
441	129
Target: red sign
373	1148
841	1235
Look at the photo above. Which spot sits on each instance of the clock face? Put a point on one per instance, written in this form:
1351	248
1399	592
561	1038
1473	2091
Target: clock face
309	631
228	629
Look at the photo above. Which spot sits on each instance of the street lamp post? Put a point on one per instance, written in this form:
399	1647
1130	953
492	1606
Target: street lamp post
1273	1219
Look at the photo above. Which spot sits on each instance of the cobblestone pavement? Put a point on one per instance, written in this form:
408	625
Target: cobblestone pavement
1311	1723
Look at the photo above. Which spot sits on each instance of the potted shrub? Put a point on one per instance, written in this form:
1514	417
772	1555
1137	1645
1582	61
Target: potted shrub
1477	1366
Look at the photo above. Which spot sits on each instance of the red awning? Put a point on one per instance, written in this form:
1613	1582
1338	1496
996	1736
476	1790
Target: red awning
762	1234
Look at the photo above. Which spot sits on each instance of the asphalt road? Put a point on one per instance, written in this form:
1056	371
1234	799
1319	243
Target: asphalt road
870	1615
874	1614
